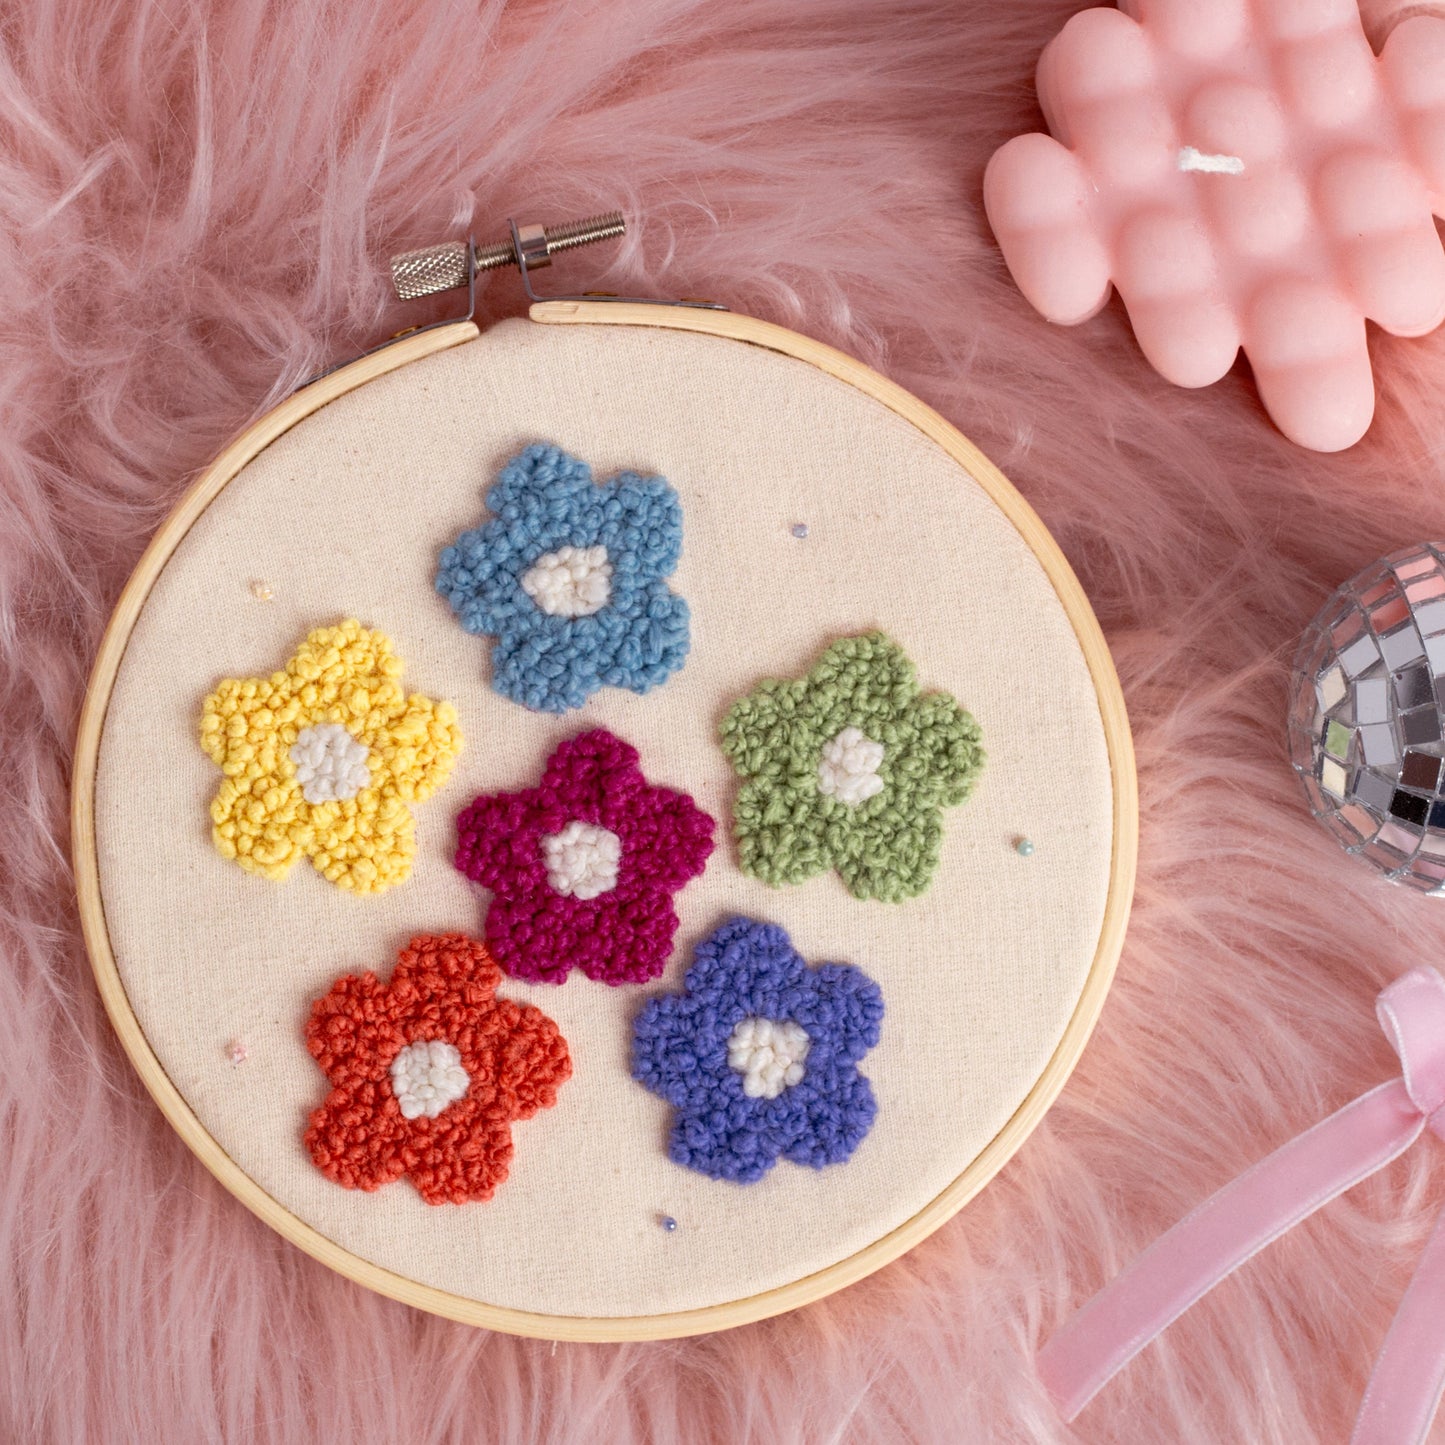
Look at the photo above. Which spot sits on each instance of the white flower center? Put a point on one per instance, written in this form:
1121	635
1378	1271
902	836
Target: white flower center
570	582
426	1077
849	768
582	860
330	763
769	1054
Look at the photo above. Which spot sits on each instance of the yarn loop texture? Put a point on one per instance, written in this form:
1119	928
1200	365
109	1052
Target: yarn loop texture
750	991
428	1073
583	867
570	577
428	1076
323	759
850	768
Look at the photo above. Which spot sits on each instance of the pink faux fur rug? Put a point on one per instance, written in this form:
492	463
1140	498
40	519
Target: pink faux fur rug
196	197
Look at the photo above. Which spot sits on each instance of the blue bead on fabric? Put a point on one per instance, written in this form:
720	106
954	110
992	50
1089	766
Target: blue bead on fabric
759	1055
570	577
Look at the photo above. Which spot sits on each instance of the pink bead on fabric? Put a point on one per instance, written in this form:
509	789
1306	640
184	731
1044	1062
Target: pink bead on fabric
583	867
1246	173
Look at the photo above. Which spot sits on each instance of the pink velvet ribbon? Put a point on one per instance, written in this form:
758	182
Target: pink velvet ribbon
1272	1197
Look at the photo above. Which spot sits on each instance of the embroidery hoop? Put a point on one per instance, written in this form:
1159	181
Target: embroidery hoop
724	328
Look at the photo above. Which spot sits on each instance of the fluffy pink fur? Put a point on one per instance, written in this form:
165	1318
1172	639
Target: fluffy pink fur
195	200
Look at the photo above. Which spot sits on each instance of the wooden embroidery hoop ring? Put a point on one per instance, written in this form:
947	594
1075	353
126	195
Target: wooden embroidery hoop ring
727	326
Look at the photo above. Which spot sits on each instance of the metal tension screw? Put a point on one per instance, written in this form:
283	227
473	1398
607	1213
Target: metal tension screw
444	267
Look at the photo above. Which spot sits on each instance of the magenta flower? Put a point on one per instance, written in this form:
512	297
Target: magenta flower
582	868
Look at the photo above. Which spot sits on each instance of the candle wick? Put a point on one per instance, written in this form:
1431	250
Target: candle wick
1193	160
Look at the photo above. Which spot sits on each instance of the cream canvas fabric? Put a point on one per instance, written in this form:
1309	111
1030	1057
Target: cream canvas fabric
344	516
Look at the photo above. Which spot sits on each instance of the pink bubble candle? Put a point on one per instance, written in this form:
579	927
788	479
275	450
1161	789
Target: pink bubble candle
1248	174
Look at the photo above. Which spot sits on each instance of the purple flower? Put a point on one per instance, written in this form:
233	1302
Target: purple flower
759	1055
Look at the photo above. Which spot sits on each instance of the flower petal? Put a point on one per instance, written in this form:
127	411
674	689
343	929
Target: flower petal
667	839
843	1013
940	754
592	768
642	638
612	938
532	936
642	529
783	832
413	751
670	1054
462	1155
348	667
440	972
745	967
894	857
224	721
532	483
354	1031
355	1137
546	665
364	844
478	575
864	682
771	733
243	725
723	1143
531	1058
837	1120
262	822
630	939
499	841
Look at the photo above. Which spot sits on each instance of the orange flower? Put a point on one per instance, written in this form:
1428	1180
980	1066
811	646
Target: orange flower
429	1072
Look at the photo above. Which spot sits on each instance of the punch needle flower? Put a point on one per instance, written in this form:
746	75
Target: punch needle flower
429	1072
570	578
759	1055
583	867
850	768
324	759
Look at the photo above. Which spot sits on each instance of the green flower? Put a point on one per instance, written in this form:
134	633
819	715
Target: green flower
849	768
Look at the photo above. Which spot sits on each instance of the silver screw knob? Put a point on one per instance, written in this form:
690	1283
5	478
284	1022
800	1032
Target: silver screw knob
444	268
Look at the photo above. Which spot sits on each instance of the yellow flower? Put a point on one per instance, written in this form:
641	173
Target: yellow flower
323	759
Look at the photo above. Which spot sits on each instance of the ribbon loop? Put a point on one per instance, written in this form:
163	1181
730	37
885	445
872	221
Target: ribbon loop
1412	1013
1272	1197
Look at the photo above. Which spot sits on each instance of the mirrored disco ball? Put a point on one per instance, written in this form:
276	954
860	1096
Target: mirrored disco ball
1365	716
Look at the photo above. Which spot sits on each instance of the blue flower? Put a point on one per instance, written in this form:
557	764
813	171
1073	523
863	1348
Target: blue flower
570	578
759	1055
